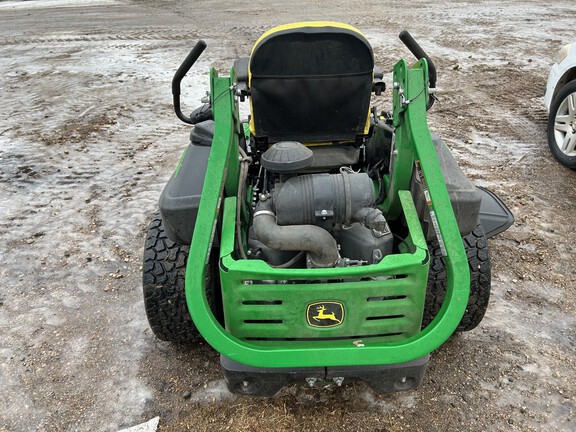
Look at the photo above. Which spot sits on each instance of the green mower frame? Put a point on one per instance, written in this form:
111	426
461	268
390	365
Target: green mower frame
263	324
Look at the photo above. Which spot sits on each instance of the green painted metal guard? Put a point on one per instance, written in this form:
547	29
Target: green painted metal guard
255	292
413	142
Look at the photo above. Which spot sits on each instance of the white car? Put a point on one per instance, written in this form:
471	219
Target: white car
560	99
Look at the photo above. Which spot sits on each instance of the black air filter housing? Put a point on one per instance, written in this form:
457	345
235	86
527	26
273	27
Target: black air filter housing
287	157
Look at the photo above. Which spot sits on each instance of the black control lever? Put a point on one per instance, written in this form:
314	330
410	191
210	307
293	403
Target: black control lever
180	73
419	53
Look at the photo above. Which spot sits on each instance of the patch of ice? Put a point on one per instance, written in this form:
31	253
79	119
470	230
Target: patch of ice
149	426
392	401
54	3
214	391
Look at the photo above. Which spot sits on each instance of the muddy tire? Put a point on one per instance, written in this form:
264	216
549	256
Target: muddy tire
476	248
163	276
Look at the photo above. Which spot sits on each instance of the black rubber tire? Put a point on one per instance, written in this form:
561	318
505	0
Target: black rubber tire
163	276
563	158
476	248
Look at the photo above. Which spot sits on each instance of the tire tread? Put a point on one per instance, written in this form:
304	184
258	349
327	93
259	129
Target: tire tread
163	277
476	248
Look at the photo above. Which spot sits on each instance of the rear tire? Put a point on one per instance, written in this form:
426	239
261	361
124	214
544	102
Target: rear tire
476	248
163	276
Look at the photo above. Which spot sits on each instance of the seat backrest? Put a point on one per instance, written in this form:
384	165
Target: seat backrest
311	82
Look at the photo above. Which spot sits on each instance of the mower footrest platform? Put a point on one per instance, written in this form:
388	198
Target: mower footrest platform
255	381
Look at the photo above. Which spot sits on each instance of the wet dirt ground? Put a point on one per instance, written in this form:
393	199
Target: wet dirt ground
88	140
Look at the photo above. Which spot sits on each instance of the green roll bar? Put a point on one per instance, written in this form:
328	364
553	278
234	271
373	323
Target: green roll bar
413	146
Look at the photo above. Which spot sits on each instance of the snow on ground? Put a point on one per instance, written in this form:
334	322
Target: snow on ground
88	140
43	4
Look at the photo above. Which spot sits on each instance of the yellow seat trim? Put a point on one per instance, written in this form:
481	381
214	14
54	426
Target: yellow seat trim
302	24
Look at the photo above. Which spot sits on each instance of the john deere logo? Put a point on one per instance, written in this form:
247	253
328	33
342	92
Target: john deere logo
325	314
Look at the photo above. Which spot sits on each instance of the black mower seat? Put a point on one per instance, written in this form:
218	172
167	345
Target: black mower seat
311	82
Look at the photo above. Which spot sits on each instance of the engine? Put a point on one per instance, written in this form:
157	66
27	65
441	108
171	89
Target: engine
305	218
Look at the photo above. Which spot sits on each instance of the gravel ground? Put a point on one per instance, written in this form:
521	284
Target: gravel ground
88	140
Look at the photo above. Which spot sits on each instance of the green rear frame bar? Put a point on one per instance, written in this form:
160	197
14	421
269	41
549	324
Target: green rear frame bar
413	143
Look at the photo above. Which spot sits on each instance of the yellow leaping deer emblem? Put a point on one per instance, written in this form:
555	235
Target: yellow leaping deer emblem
321	315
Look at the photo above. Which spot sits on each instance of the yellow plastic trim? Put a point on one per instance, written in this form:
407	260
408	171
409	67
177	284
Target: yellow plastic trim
367	126
302	24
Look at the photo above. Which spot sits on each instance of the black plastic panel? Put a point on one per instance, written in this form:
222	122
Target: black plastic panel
253	381
180	199
464	196
494	216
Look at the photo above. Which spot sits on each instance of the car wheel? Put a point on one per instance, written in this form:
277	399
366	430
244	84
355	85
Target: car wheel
476	248
562	126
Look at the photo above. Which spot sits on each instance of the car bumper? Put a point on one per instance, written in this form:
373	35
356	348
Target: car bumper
556	73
